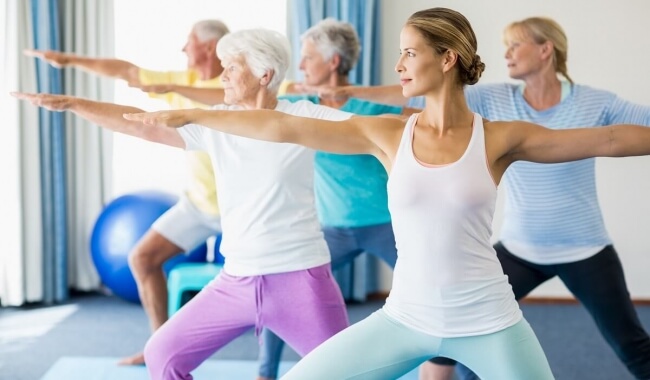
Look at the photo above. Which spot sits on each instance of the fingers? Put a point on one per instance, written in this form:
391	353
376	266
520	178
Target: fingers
159	118
155	88
137	84
35	99
135	116
331	93
305	89
48	101
33	53
146	118
299	87
54	58
324	91
144	88
23	96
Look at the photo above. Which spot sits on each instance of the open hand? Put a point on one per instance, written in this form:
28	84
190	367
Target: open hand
48	101
325	92
171	119
155	88
54	58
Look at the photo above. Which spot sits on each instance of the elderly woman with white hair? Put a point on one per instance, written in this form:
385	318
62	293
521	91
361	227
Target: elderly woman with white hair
277	270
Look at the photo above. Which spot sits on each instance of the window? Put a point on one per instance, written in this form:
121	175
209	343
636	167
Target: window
151	34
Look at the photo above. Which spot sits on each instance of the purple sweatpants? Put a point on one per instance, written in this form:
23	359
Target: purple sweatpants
304	308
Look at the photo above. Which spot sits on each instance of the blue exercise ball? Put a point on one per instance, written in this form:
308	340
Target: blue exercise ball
218	258
119	227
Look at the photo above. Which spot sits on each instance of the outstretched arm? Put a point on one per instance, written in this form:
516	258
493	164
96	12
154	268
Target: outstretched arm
107	115
389	94
114	68
378	94
208	96
538	144
359	135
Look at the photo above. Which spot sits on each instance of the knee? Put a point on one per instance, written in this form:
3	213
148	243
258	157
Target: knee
636	356
150	356
153	358
161	359
143	259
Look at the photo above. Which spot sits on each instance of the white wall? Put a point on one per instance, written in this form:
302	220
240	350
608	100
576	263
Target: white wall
151	34
608	49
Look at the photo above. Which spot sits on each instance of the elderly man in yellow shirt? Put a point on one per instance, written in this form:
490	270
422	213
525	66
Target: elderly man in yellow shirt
195	217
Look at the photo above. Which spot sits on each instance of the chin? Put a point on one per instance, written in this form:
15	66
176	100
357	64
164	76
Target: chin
515	75
311	82
409	93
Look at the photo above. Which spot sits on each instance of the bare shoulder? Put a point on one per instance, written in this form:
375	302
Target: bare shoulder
510	137
491	125
385	132
383	123
510	128
402	118
508	124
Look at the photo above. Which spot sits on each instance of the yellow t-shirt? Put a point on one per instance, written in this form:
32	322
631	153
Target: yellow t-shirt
201	190
284	86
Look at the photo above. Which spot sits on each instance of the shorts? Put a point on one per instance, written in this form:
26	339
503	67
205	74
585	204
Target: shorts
186	226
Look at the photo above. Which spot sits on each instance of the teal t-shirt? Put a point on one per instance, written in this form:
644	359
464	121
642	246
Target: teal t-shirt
350	189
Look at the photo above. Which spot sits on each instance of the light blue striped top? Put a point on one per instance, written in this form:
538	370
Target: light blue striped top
553	205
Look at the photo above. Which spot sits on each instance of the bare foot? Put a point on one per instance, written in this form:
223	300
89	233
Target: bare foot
137	359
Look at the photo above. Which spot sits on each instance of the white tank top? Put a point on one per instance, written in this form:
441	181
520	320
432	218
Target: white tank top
448	281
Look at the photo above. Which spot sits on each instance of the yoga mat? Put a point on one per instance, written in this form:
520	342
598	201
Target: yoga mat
106	368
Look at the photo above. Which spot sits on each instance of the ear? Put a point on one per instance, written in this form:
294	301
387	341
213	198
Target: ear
449	59
547	49
266	78
335	62
211	46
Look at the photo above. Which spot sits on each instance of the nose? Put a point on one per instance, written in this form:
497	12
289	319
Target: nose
508	53
301	66
399	66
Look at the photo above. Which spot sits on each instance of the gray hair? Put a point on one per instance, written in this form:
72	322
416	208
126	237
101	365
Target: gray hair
206	30
335	37
264	50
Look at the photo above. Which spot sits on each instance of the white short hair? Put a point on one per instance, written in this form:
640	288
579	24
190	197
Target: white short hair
206	30
262	49
335	37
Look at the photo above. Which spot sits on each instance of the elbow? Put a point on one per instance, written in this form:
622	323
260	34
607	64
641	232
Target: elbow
148	134
281	133
616	145
131	74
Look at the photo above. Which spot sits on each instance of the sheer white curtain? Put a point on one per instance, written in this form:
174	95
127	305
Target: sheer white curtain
20	276
87	28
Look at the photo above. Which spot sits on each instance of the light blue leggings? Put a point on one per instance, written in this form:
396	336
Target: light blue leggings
380	347
345	244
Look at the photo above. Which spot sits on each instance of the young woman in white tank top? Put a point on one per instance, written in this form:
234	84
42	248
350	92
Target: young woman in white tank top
449	296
